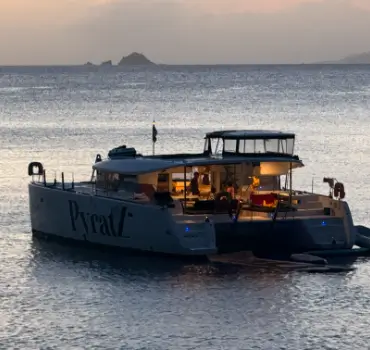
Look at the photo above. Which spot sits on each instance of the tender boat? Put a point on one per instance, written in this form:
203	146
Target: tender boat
236	195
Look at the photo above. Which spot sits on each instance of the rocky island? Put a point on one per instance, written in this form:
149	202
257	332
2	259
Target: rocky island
133	59
107	63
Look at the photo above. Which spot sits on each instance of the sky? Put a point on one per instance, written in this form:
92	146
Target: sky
47	32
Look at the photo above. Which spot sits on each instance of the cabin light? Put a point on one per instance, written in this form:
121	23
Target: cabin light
323	223
187	229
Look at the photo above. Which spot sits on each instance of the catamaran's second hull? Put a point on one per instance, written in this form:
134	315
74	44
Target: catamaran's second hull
286	236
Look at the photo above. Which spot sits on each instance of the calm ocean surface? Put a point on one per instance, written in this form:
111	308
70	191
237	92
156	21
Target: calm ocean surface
54	296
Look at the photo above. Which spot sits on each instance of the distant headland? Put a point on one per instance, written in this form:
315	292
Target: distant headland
362	58
136	59
133	59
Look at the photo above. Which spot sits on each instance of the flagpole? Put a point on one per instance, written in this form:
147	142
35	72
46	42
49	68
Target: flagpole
154	137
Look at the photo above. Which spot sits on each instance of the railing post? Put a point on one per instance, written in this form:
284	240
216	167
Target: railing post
312	185
63	181
184	206
290	182
44	175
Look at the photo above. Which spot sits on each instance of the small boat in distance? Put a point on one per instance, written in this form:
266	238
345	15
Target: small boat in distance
235	195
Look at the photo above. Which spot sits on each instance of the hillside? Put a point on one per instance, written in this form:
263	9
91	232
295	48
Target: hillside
362	58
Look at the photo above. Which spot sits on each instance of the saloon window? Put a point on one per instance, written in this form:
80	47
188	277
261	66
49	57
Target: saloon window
113	181
230	146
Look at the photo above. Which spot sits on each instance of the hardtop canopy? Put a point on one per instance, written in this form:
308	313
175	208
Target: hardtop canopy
249	135
143	165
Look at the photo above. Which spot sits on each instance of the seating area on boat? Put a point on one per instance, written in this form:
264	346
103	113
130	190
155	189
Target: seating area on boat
244	188
206	190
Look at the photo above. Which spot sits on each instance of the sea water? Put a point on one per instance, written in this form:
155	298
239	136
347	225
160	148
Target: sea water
56	296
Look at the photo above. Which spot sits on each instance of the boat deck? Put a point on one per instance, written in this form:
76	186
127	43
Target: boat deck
313	210
196	219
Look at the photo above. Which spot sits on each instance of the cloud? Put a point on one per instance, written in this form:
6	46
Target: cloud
179	32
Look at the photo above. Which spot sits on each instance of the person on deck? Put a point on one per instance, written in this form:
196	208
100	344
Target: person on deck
205	180
231	190
194	186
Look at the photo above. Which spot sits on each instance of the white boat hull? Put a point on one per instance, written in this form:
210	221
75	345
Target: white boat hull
89	218
111	222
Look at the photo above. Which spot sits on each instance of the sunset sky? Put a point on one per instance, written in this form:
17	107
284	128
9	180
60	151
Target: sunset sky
182	31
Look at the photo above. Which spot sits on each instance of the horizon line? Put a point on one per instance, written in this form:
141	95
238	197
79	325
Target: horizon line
178	65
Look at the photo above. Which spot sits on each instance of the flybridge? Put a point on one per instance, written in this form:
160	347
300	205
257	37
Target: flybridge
242	142
250	143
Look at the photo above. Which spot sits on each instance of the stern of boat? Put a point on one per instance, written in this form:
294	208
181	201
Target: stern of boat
330	227
195	236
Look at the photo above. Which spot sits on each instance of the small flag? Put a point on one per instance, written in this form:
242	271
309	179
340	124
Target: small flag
154	133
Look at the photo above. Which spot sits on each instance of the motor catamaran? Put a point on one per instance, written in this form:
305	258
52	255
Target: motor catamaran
236	195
